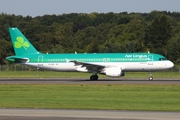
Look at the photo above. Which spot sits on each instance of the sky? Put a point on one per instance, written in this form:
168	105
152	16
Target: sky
43	7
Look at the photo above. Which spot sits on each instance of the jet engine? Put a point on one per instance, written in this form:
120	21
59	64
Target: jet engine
114	72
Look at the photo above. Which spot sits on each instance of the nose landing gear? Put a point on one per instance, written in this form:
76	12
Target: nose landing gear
150	76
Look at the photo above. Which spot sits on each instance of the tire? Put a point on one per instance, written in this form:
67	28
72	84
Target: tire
150	78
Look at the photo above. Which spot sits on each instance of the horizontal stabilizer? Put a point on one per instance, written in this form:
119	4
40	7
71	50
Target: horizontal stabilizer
17	59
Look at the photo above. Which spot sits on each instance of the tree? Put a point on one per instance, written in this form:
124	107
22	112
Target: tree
83	38
5	50
158	34
173	48
102	31
97	32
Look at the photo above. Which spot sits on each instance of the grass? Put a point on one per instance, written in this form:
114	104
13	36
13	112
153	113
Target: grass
106	97
53	74
90	96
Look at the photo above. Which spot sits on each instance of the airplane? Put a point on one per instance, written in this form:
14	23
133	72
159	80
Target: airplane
109	64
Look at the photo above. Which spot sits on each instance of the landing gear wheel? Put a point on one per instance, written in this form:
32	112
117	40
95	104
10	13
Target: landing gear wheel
94	77
151	78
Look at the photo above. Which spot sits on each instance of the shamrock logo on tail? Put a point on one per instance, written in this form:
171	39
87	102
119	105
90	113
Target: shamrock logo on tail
20	43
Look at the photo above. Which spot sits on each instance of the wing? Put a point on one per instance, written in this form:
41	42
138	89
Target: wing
90	67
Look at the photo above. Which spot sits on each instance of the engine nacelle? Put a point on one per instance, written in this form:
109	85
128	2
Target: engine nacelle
114	72
81	69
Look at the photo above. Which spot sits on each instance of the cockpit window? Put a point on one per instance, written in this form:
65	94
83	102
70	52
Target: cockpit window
161	59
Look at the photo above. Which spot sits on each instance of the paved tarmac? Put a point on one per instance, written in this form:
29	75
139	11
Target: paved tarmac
87	81
55	114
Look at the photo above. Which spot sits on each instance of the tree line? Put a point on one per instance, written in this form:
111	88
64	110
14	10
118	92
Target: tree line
156	32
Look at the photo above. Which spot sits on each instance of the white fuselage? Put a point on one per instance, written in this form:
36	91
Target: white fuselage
126	66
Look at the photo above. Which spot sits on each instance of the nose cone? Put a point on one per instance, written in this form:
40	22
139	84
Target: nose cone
170	64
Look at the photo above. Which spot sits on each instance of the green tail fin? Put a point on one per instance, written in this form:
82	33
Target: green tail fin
20	43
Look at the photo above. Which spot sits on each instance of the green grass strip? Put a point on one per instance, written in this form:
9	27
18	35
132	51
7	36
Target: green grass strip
101	97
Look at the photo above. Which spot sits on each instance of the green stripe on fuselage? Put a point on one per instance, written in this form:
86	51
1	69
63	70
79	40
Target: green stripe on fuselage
102	57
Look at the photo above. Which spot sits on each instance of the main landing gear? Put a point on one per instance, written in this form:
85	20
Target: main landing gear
150	76
94	77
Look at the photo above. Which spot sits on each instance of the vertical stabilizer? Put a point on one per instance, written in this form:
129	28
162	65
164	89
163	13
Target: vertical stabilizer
20	43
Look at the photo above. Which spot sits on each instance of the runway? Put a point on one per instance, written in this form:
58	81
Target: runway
86	81
56	114
53	114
